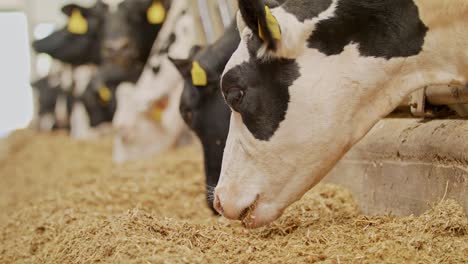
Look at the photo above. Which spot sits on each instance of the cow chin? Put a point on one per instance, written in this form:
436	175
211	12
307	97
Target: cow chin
256	185
256	206
253	192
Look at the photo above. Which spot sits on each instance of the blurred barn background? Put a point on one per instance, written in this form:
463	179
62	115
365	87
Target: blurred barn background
23	21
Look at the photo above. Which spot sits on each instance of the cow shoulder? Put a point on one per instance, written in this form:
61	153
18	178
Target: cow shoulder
387	29
305	9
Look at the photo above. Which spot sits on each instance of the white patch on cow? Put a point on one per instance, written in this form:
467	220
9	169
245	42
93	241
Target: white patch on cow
242	53
113	5
61	112
333	104
81	77
80	124
46	122
137	136
66	78
293	32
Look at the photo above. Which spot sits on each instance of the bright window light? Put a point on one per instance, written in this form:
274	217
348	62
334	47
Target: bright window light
16	107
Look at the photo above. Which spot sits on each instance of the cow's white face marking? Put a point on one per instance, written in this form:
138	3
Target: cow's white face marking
113	5
332	104
139	136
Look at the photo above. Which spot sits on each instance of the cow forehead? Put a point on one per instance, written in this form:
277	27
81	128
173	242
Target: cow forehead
113	4
239	56
266	84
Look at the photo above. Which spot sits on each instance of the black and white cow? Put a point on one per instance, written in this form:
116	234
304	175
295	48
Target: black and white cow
79	47
53	103
147	121
94	104
127	37
311	78
76	48
202	106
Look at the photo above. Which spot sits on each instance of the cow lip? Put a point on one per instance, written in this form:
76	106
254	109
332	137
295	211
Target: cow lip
247	217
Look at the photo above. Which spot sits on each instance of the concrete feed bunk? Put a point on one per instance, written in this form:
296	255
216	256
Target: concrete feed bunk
63	201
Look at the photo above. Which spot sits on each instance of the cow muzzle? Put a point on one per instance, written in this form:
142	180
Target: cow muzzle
249	209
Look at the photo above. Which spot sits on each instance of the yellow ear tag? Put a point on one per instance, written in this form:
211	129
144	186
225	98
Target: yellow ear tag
272	25
156	13
77	23
158	109
156	114
199	77
105	94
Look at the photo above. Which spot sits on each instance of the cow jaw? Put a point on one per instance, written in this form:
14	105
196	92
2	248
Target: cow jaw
260	179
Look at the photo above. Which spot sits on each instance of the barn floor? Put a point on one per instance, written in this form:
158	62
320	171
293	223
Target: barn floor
63	201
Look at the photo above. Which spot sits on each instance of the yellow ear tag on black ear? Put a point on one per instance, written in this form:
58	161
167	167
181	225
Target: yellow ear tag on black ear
199	77
105	94
272	25
156	13
77	23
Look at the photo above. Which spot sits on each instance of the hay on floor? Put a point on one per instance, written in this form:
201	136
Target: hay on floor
63	201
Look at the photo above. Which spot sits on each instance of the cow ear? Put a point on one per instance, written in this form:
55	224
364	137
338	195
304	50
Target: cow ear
258	17
68	9
183	65
194	50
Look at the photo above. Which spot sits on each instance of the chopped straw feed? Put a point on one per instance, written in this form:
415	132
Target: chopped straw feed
63	201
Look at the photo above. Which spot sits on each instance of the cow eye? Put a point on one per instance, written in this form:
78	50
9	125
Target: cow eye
234	97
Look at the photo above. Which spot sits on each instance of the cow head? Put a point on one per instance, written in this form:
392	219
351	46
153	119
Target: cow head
129	32
100	101
94	105
78	42
202	105
147	120
45	94
308	80
53	98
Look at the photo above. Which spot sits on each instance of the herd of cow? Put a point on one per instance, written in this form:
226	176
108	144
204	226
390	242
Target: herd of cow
276	101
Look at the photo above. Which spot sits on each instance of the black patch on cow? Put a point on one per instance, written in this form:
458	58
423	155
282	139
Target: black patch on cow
203	107
47	95
129	23
265	86
172	39
98	111
387	29
306	9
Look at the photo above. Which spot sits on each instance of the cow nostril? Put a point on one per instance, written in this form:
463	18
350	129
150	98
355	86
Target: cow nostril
217	204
